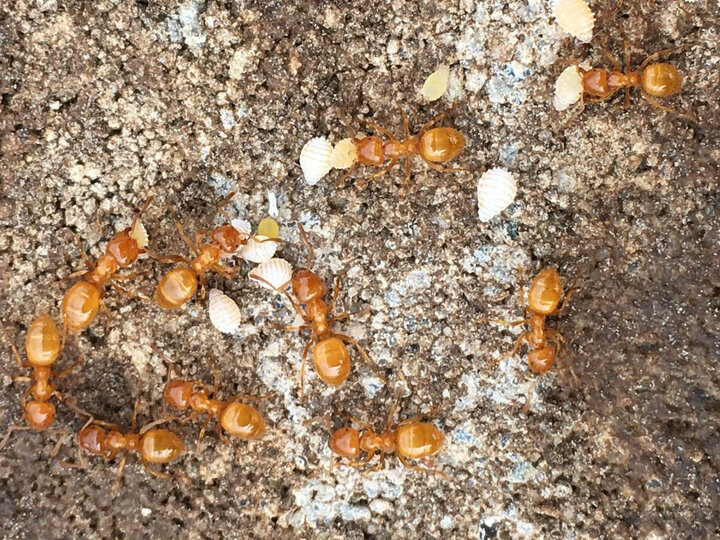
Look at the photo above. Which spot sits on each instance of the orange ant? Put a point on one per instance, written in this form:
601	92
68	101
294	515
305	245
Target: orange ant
436	145
153	445
653	79
238	419
408	439
83	300
42	346
544	297
330	355
179	285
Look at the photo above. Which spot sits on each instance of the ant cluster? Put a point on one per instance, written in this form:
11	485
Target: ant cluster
410	439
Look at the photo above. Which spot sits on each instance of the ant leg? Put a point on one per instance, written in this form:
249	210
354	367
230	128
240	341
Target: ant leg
133	422
224	439
15	351
168	258
378	174
659	105
226	271
106	311
336	291
360	462
306	241
62	433
342	316
182	234
124	292
406	122
119	473
342	178
10	431
363	354
437	119
223	203
661	52
423	469
291	328
64	372
379	466
155	473
515	348
377	127
192	416
245	397
448	169
83	254
202	433
502	321
302	367
406	184
576	114
364	425
391	414
610	56
74	275
526	408
203	285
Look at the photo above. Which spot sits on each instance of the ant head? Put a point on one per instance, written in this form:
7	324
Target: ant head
307	285
541	360
228	238
345	442
177	394
123	248
39	414
92	439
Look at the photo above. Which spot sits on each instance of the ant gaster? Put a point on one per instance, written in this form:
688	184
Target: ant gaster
42	346
330	354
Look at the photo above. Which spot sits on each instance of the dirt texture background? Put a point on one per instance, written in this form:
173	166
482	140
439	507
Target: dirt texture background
103	103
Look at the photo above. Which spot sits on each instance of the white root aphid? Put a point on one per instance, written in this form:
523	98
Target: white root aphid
315	159
139	234
575	17
273	274
258	249
436	84
344	155
568	88
496	189
224	312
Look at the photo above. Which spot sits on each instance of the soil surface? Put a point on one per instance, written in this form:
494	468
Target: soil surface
105	103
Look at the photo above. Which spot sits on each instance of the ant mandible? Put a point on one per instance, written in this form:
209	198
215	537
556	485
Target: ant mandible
154	445
544	297
179	285
238	419
83	300
330	355
436	145
42	346
408	439
653	79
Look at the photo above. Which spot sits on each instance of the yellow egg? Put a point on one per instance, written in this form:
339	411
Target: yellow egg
268	227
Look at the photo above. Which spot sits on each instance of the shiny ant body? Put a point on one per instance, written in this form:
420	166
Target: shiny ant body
653	79
179	285
330	354
434	146
153	445
238	419
42	346
409	439
544	299
82	301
